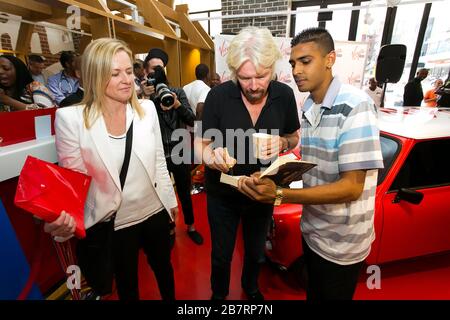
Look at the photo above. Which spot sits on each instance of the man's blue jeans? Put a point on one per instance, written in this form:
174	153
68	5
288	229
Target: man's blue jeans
224	216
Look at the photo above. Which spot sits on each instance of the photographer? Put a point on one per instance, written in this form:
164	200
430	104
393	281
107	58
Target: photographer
174	112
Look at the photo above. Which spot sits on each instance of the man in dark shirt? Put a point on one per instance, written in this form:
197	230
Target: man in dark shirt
251	102
413	94
171	118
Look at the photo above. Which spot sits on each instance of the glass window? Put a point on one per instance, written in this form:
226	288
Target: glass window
215	25
390	148
340	24
406	29
435	53
203	23
426	166
305	20
196	5
370	30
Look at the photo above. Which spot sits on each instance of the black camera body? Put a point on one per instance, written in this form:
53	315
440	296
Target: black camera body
151	81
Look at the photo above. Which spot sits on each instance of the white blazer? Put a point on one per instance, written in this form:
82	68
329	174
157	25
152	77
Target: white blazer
88	151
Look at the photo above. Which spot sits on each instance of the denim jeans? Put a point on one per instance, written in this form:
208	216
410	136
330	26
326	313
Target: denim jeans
224	216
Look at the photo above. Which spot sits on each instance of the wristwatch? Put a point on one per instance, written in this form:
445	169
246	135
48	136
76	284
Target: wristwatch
278	196
287	146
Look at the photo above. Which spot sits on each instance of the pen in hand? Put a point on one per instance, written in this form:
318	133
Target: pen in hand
229	165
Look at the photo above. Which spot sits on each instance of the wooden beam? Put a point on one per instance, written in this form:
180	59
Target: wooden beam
153	16
167	11
172	47
182	8
168	3
123	24
36	12
120	21
30	5
97	4
139	43
84	42
60	15
192	44
100	4
24	40
87	7
100	27
204	34
205	57
188	27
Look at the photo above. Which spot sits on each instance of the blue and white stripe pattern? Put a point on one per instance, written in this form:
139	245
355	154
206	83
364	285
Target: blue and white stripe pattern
342	137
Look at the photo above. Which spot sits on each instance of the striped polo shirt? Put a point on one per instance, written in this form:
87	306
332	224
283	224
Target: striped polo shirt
340	135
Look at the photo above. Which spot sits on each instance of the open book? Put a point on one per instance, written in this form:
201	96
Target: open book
282	171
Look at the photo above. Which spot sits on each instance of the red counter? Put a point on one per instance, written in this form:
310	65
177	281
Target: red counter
17	131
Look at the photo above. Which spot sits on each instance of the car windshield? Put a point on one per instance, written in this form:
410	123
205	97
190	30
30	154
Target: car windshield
390	148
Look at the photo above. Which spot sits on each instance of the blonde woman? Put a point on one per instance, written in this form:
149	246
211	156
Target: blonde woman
91	138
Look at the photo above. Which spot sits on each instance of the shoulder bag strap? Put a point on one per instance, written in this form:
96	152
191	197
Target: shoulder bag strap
126	159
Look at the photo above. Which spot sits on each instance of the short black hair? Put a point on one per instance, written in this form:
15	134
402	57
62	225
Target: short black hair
423	69
35	58
318	35
201	71
66	57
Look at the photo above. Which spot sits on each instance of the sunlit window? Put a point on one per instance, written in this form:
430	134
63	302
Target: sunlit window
304	20
340	24
435	53
406	29
370	30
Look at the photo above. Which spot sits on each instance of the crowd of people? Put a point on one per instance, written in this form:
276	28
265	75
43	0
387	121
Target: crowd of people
413	95
118	122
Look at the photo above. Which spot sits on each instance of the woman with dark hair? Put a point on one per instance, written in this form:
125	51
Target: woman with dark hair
18	91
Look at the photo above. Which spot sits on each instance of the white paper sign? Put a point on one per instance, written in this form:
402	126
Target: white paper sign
43	126
349	66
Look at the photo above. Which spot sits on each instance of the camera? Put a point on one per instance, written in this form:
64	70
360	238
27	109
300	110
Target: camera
158	79
151	82
164	95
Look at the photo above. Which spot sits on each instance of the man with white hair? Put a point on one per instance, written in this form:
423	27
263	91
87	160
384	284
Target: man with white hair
250	102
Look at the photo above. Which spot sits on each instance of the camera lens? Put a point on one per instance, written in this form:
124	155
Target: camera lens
164	95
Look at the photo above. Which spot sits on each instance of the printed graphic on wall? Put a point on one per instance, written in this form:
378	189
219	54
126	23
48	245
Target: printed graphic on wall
349	66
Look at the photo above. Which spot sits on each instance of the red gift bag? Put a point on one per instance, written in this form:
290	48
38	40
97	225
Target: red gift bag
45	189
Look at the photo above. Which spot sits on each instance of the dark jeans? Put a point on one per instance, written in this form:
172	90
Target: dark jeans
182	176
224	216
153	236
328	280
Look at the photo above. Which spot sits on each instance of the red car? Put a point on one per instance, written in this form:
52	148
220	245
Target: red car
412	207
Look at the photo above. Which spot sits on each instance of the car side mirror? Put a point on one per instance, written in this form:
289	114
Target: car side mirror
411	196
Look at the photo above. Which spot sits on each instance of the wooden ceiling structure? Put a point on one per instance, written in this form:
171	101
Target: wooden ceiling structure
160	25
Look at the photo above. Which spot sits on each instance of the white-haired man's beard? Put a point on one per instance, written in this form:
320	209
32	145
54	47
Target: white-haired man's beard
254	96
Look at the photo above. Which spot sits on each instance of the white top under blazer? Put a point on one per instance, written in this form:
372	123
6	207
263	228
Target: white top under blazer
89	151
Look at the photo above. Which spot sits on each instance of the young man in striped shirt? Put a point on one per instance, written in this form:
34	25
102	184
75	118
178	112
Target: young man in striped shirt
338	132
